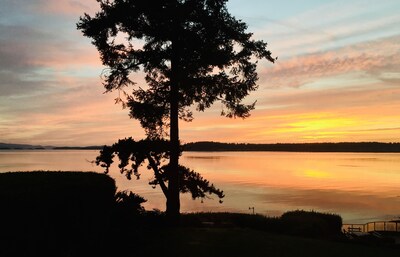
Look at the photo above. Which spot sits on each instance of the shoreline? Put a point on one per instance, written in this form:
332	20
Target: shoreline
209	146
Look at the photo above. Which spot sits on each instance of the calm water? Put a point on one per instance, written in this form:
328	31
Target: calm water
361	187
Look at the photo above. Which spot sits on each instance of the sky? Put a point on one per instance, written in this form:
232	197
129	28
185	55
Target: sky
337	77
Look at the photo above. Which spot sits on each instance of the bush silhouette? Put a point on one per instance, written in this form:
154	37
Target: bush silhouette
66	212
312	224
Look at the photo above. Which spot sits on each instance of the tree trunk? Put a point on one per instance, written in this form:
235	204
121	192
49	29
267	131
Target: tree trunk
173	201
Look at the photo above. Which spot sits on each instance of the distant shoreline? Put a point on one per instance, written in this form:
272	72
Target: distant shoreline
362	147
358	147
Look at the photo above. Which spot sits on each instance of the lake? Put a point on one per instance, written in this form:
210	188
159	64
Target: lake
361	187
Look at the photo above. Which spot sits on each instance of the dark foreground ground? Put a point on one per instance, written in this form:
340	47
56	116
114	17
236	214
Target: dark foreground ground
203	242
79	214
210	242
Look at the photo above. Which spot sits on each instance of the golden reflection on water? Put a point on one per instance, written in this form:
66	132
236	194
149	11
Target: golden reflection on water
304	170
361	187
317	174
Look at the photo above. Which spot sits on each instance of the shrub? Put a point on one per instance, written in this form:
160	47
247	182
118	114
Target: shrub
227	219
55	210
129	202
301	223
310	223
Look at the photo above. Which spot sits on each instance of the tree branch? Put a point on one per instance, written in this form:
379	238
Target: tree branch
157	174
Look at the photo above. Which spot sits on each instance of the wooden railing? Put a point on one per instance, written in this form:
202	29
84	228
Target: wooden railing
393	226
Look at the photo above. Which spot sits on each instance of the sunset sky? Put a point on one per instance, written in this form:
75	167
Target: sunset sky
337	77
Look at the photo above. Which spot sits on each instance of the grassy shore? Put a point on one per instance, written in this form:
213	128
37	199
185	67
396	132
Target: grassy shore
210	242
79	214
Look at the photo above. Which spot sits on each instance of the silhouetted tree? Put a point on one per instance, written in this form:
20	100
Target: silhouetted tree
156	153
193	52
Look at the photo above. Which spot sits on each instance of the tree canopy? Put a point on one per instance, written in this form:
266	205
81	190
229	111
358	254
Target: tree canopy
209	48
192	52
156	153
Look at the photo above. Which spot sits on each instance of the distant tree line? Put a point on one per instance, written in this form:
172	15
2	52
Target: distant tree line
298	147
4	146
208	146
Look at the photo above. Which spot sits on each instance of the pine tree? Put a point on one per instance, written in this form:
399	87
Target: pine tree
193	52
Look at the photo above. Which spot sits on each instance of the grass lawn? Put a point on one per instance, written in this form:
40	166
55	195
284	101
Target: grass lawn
231	242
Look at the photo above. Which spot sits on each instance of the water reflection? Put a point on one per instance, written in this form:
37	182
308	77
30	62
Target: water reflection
204	157
359	187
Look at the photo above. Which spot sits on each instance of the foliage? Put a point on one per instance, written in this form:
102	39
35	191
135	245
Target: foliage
211	50
310	223
192	53
229	219
301	223
155	154
43	188
68	213
128	206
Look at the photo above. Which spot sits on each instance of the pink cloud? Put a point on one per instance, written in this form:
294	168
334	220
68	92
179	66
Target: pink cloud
371	57
67	7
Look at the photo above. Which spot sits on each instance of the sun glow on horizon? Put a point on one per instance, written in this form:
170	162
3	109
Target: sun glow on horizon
336	79
317	122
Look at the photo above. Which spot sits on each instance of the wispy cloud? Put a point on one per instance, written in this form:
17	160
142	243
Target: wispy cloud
374	57
66	7
331	25
65	118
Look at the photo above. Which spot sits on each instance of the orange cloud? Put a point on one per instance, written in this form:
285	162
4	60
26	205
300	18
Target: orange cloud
69	112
